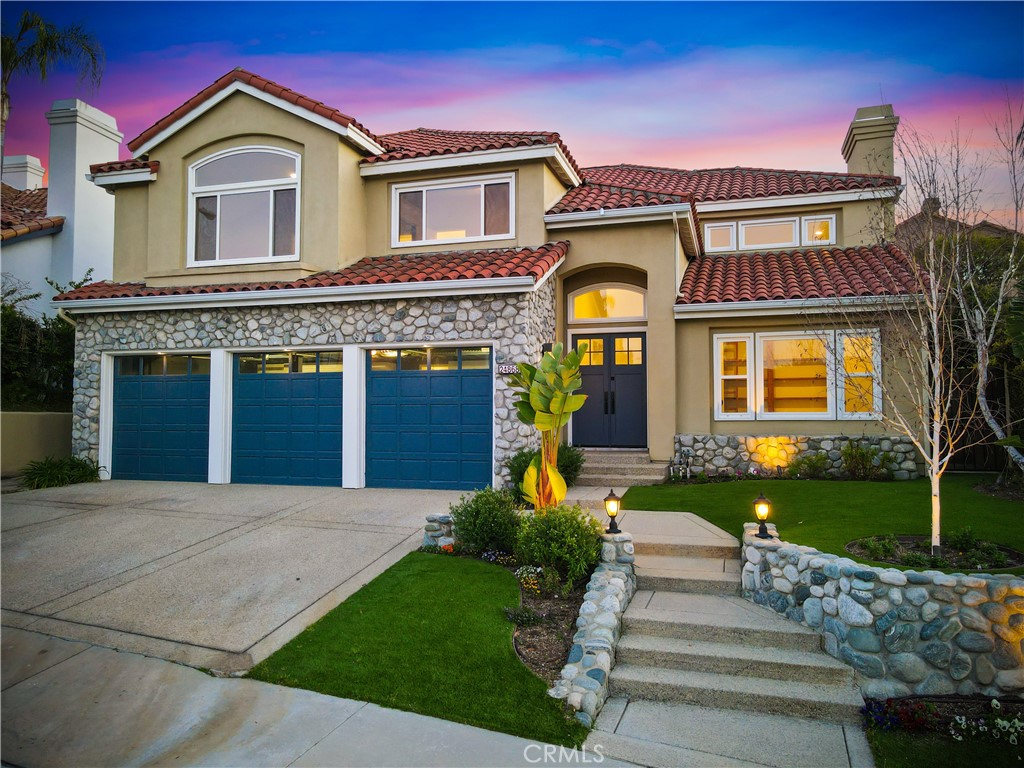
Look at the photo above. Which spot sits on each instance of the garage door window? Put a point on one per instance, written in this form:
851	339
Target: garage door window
164	365
431	359
290	362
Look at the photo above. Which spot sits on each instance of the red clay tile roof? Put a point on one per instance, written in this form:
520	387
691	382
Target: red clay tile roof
730	183
594	197
23	211
430	142
261	83
414	268
124	165
815	274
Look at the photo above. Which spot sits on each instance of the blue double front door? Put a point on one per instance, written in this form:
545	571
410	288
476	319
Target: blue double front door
429	418
614	372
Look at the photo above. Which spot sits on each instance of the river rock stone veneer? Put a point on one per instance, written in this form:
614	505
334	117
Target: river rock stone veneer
904	632
516	324
584	681
738	454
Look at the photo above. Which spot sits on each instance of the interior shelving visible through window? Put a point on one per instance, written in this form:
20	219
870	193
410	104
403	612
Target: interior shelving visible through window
243	207
453	210
798	375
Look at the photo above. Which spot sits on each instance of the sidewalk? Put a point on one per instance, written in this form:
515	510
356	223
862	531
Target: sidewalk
72	704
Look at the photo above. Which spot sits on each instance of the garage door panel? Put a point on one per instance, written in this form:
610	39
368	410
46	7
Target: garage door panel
418	435
287	427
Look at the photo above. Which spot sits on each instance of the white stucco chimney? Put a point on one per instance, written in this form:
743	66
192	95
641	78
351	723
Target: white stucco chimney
23	172
868	147
81	135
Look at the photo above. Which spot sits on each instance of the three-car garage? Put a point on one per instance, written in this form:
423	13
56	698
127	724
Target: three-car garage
421	417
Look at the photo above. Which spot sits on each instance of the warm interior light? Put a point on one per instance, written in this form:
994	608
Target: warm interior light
451	234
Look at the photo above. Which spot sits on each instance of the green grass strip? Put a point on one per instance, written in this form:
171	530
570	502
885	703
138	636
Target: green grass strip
428	635
900	749
827	514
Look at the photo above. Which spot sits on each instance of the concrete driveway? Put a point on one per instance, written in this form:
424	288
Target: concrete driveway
214	576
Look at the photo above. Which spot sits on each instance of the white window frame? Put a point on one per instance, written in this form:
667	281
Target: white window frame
805	220
730	226
462	181
875	375
217	190
601	287
720	339
792	243
828	338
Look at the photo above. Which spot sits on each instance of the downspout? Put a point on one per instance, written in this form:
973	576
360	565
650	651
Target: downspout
63	315
675	226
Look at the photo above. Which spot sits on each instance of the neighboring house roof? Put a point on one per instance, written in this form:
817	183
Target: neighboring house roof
827	273
715	184
912	230
413	268
23	212
430	142
255	81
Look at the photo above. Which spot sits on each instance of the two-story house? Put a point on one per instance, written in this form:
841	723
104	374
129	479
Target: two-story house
299	300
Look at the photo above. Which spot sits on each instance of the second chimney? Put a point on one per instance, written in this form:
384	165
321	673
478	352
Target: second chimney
868	147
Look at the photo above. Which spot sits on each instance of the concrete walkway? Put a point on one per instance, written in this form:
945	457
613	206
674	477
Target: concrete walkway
71	704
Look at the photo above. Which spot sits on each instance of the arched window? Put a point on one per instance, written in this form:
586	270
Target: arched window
610	302
243	207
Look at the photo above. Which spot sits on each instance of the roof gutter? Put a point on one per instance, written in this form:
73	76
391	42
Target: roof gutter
333	294
788	307
617	215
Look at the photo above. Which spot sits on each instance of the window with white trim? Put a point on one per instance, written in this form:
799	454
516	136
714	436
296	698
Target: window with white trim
818	230
768	233
243	207
453	211
720	237
796	375
608	302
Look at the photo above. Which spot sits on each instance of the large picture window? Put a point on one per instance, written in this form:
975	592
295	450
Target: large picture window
453	211
798	375
243	207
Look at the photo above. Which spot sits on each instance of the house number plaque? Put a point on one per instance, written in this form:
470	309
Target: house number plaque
507	368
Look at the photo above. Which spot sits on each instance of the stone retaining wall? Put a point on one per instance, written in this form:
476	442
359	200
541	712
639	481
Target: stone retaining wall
517	325
584	681
904	632
722	454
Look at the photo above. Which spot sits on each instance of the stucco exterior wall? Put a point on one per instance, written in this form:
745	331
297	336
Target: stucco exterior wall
332	229
26	437
647	248
31	262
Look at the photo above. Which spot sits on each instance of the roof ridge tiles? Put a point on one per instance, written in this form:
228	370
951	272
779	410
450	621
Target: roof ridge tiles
726	169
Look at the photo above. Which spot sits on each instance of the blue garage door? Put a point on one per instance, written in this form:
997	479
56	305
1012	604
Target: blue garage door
429	418
286	418
161	418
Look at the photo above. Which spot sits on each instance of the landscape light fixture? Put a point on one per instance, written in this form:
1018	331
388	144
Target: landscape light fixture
762	508
611	507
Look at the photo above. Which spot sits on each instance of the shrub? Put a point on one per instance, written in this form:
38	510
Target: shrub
915	560
523	617
881	547
985	555
486	520
564	538
53	473
863	462
810	466
570	464
962	539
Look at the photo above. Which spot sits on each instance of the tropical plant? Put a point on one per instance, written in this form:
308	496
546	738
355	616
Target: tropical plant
37	46
570	464
546	401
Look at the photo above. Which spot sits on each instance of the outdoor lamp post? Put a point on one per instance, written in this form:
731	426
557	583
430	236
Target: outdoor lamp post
762	507
611	507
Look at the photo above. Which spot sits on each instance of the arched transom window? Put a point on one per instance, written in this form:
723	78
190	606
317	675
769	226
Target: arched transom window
607	303
243	207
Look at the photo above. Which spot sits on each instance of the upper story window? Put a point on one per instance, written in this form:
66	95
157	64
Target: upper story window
243	207
607	303
767	234
453	211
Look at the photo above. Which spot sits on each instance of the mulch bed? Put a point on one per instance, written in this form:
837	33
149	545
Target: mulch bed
958	560
1001	491
544	647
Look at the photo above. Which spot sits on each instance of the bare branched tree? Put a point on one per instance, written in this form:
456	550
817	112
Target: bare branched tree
987	271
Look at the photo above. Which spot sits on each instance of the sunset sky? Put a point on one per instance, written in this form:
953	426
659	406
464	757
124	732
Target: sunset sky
686	85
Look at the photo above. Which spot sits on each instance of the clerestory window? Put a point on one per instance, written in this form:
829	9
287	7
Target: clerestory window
243	207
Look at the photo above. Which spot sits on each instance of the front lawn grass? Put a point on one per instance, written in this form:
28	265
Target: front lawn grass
900	749
429	635
827	514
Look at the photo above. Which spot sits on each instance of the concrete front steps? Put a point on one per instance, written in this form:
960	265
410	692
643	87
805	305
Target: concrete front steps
689	639
621	469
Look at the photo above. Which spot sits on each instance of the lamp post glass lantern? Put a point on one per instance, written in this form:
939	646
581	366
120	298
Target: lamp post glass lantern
611	508
762	508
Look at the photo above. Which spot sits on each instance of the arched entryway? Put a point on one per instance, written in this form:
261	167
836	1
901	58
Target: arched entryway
611	317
